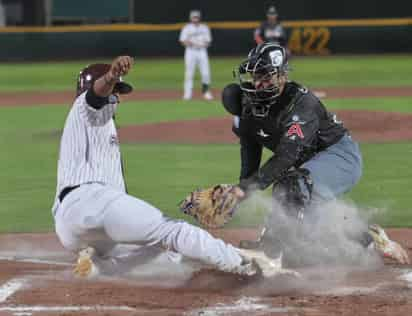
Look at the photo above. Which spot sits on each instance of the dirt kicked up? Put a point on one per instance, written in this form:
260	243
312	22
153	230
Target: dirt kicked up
40	282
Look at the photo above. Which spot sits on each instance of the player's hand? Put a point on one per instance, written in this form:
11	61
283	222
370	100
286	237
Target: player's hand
121	66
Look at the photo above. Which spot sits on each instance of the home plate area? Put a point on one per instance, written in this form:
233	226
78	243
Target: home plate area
36	279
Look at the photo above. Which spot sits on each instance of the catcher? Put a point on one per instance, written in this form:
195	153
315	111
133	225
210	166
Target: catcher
314	157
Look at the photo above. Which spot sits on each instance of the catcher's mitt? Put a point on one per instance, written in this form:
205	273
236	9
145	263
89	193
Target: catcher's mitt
212	207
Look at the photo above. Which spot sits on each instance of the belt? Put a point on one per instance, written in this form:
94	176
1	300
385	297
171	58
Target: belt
66	191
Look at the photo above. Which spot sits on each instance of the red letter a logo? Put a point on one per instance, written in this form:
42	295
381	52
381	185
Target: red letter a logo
295	129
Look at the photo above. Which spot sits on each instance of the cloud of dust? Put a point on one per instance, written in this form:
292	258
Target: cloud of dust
150	266
328	236
325	247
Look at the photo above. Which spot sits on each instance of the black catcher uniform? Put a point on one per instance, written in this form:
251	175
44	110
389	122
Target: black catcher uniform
295	128
314	158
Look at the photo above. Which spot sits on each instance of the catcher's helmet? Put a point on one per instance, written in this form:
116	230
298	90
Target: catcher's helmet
267	62
93	72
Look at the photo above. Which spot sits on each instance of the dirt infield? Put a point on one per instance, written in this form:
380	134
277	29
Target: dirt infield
43	285
365	126
66	97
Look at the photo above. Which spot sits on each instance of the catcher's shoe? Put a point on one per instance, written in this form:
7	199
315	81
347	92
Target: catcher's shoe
386	247
85	267
266	266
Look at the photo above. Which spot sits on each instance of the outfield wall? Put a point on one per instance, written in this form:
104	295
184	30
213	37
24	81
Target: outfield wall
247	10
314	37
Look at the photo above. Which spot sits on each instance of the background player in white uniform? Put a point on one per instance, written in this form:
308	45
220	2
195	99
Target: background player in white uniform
93	212
196	37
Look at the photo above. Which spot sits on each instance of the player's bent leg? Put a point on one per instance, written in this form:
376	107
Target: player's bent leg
335	170
130	220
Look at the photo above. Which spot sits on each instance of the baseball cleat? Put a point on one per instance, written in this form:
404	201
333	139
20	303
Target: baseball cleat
186	97
85	267
267	266
208	96
386	247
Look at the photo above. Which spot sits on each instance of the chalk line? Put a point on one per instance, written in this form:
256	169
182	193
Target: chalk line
10	287
73	308
34	260
243	305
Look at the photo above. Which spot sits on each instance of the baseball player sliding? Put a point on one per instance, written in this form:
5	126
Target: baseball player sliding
92	210
196	38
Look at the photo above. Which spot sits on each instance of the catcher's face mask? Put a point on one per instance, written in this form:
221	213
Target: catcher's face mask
262	77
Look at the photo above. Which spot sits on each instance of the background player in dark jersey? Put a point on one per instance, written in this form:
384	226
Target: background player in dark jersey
314	157
271	30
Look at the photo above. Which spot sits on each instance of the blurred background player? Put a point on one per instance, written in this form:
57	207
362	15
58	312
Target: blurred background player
196	38
271	30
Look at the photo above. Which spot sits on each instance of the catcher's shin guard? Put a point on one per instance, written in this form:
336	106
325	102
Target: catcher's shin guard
294	192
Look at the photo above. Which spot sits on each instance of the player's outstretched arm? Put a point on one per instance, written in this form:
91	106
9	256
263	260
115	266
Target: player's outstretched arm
121	66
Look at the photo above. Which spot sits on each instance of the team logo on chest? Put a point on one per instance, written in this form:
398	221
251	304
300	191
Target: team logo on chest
295	128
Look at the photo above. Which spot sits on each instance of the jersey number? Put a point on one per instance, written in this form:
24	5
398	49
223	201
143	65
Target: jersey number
309	41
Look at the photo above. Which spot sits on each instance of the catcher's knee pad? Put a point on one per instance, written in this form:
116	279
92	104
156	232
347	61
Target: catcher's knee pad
294	191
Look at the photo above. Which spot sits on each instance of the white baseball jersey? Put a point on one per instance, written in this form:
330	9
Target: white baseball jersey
89	148
199	35
101	214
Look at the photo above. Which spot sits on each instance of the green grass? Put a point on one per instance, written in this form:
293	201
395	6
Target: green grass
400	104
163	174
385	184
46	118
51	117
166	74
29	163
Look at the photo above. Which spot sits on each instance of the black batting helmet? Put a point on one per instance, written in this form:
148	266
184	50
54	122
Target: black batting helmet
93	72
